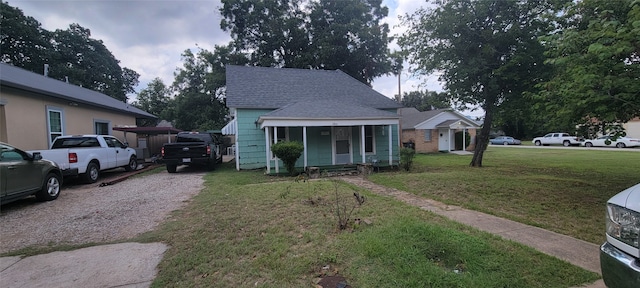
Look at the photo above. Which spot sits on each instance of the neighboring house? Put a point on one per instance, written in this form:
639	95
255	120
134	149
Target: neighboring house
632	128
434	130
34	109
338	119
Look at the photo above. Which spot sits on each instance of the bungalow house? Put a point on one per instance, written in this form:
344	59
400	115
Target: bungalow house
434	130
34	109
338	119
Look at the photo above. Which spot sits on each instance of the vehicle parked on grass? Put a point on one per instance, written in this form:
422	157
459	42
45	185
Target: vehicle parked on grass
557	138
88	155
620	254
192	148
607	141
504	140
23	174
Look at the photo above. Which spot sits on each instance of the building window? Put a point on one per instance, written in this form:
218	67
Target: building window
55	122
427	135
369	139
101	127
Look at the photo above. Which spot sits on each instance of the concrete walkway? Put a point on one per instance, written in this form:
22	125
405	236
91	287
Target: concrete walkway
574	251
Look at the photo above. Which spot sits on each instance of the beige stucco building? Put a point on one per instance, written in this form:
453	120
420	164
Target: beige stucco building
35	109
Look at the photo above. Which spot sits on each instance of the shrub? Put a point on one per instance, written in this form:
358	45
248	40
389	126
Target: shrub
288	152
406	158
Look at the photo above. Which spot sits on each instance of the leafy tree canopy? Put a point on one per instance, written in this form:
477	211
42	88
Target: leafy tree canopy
71	54
426	100
345	35
487	50
596	55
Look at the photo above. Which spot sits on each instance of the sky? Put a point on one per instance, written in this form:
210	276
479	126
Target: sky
149	36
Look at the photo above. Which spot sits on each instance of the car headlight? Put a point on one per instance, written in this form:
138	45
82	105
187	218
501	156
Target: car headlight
623	224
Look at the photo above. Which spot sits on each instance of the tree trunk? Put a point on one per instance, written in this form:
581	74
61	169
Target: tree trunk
482	140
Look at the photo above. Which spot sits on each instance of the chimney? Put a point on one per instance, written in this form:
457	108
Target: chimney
46	70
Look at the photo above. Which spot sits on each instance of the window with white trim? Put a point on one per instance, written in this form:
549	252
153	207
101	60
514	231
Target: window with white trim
427	135
101	127
369	139
55	120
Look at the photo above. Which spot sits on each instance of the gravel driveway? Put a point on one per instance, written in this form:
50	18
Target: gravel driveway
89	213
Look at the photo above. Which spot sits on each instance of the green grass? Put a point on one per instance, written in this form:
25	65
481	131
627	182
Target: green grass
562	190
246	229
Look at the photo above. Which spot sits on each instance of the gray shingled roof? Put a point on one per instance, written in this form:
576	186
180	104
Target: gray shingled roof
273	88
19	78
409	121
329	109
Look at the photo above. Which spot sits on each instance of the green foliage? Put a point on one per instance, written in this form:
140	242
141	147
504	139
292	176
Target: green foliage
406	158
597	61
345	35
426	100
156	100
71	54
488	51
288	152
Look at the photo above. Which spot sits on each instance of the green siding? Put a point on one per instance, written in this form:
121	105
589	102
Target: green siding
252	151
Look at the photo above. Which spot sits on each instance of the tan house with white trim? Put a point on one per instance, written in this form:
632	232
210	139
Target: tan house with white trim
34	109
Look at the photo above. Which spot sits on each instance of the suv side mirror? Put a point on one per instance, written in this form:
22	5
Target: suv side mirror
37	156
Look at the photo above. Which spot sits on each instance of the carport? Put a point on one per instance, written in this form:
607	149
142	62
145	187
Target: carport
154	138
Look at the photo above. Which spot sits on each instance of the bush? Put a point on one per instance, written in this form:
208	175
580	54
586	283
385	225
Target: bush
406	158
288	152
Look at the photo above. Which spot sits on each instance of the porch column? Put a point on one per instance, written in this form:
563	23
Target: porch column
464	139
304	143
362	146
449	140
275	159
268	146
390	146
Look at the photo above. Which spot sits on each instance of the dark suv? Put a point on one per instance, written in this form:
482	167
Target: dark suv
23	174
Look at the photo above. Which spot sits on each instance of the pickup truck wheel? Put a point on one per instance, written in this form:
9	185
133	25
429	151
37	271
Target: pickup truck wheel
172	168
92	174
538	143
566	143
50	189
133	164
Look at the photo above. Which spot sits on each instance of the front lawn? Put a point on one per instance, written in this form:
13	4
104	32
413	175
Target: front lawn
246	229
563	190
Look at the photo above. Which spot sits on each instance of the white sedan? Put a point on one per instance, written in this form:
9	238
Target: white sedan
621	142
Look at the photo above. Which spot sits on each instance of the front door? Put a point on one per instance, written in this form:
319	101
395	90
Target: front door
443	140
342	145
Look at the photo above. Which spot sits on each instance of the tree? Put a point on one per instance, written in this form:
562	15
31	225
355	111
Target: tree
345	35
425	101
155	99
23	41
487	50
199	86
72	55
597	61
86	62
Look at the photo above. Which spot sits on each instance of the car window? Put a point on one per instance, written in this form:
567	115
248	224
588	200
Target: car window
548	135
113	142
10	155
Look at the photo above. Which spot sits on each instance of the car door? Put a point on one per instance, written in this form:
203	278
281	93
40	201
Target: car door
18	172
547	139
120	157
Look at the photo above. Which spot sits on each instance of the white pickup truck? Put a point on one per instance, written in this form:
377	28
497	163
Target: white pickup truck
87	155
620	254
557	138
